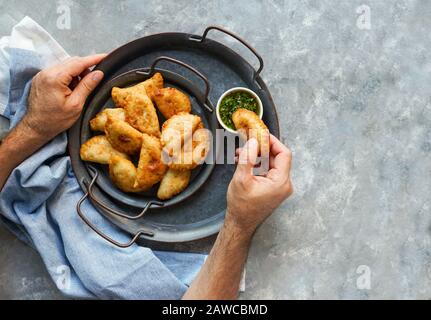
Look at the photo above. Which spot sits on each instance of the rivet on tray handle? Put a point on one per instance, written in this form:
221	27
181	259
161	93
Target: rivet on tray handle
233	35
185	65
89	194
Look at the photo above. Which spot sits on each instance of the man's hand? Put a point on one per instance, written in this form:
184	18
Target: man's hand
54	105
251	199
56	99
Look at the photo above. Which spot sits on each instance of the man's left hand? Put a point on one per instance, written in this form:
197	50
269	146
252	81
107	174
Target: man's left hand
56	99
54	105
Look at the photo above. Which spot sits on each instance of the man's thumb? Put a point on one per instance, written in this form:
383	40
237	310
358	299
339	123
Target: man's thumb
248	156
87	85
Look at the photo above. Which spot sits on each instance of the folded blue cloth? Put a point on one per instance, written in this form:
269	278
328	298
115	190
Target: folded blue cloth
38	205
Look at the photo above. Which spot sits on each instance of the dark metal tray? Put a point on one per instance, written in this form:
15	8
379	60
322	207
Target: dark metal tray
202	213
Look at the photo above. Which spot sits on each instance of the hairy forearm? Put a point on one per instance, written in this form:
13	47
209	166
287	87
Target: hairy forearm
17	146
220	276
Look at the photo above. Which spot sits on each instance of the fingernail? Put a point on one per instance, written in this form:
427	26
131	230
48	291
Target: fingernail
97	76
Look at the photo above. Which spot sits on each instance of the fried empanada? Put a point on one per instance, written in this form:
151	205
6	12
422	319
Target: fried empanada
123	136
98	122
147	87
123	174
249	125
171	101
193	152
151	169
99	150
141	114
173	183
153	84
178	129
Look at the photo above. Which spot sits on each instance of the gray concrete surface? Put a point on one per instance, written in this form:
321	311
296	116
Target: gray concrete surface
355	108
22	273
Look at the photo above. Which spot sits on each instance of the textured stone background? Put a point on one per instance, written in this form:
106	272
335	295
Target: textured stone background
355	108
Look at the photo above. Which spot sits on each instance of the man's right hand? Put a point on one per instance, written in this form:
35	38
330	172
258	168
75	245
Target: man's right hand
251	199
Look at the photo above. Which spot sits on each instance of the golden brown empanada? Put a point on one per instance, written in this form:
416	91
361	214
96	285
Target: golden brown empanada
147	87
123	136
151	169
249	125
123	174
153	84
173	183
176	130
99	150
194	151
171	101
141	114
98	122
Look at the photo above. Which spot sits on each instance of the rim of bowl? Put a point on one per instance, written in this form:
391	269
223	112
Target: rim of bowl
236	89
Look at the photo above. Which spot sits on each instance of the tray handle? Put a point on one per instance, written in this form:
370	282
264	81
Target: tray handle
189	67
235	36
90	194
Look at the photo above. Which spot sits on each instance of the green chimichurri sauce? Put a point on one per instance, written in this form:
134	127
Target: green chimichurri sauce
234	101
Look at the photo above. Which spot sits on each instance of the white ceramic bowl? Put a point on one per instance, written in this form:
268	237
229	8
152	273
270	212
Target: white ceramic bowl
236	89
